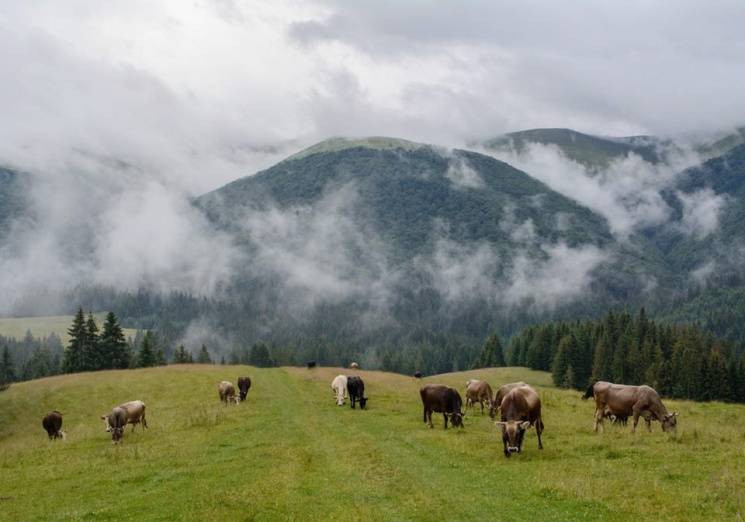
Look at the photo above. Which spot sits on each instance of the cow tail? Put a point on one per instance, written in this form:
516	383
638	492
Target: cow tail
589	393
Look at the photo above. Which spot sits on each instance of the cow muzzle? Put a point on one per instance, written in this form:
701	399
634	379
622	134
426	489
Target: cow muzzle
513	449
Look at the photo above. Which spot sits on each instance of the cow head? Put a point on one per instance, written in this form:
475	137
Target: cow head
670	421
493	407
117	434
512	435
363	402
456	418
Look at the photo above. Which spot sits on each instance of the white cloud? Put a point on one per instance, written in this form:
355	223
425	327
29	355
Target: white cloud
701	211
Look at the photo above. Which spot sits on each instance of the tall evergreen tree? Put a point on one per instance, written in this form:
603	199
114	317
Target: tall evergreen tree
91	354
491	354
113	348
74	358
7	370
147	357
260	355
181	356
204	356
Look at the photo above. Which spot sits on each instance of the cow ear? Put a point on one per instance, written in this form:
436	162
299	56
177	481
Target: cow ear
525	425
500	423
103	417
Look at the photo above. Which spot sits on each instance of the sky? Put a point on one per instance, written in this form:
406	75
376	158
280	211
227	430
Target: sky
125	110
199	93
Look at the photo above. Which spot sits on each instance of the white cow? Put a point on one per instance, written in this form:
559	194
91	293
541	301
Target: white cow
339	387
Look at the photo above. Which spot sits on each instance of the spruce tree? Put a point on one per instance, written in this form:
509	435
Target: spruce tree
147	357
491	354
181	356
91	354
260	355
74	358
113	349
7	371
204	356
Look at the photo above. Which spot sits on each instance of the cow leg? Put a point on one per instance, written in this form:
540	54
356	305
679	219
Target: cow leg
649	424
424	414
446	420
429	418
598	420
482	407
353	398
144	422
539	430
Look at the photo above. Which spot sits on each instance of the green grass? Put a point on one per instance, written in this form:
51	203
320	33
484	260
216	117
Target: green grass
290	453
43	326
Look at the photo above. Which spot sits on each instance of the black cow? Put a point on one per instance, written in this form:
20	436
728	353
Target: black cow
52	423
418	375
356	389
442	399
244	383
311	364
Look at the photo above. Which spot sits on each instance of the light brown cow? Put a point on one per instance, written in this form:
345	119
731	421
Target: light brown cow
226	390
624	400
520	409
501	392
478	391
134	414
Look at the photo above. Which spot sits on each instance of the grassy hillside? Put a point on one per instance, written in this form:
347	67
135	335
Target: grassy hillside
290	453
43	326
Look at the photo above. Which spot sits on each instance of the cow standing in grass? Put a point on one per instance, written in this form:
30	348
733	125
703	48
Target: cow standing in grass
442	399
520	409
501	392
117	421
244	383
339	389
624	400
226	391
478	391
356	389
134	414
52	423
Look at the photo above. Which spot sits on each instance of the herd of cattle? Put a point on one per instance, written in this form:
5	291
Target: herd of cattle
518	404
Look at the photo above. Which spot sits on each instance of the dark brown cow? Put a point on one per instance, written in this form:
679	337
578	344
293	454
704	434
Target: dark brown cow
501	392
478	391
52	423
624	400
117	421
244	383
520	409
442	399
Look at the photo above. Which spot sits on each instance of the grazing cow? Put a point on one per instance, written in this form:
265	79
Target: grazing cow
135	414
117	421
354	365
442	399
520	409
478	391
417	375
311	364
226	390
244	383
52	423
501	392
339	387
356	389
624	400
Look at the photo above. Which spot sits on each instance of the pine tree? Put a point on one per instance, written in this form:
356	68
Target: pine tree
260	356
113	349
7	371
74	358
147	358
91	356
181	356
204	356
491	354
562	363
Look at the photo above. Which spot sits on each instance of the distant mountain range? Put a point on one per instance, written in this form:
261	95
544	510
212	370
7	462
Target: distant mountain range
382	240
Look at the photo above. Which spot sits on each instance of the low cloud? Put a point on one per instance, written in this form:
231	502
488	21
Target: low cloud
701	210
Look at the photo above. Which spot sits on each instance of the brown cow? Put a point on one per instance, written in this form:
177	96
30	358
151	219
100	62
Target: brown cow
478	391
52	423
501	392
520	408
117	421
624	400
244	383
226	390
135	414
442	399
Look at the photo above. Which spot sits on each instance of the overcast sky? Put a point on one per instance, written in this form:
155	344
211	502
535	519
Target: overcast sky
193	92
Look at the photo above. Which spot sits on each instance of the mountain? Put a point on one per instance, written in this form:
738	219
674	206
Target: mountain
595	152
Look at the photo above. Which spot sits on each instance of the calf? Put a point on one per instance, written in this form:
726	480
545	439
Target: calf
520	409
624	400
226	390
356	389
442	399
52	423
339	388
244	383
135	414
478	391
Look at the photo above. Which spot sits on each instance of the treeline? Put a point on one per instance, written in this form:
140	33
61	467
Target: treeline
680	361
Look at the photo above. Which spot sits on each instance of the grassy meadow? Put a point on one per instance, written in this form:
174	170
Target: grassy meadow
43	326
289	453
